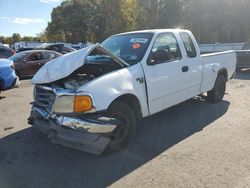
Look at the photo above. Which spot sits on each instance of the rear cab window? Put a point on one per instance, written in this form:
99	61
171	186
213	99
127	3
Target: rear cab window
189	45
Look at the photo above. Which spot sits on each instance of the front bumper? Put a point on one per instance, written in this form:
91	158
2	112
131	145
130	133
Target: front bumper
90	135
6	85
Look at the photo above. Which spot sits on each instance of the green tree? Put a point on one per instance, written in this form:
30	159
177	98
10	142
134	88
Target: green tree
16	37
94	20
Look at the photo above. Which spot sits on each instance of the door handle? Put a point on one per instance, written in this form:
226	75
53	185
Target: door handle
185	69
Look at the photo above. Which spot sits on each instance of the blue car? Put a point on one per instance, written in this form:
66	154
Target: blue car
8	78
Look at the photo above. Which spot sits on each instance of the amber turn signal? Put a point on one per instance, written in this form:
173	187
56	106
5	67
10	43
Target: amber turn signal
82	104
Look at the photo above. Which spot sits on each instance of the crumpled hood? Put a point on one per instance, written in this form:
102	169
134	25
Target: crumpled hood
65	65
62	66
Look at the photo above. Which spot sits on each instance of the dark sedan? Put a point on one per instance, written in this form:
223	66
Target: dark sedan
27	63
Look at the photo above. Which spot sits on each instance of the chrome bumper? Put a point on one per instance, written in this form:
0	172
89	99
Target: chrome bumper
81	134
98	125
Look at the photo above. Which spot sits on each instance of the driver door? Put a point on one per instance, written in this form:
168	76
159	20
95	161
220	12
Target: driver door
165	77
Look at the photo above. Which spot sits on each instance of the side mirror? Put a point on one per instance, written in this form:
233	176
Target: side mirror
160	56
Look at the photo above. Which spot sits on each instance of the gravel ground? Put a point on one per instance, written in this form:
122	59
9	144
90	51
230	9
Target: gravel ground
194	144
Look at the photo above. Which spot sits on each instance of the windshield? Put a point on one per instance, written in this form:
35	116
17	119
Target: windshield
18	57
129	47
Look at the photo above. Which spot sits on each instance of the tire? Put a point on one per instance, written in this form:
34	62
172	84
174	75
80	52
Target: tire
218	92
124	133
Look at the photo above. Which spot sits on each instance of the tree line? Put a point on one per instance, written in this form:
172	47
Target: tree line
94	20
16	37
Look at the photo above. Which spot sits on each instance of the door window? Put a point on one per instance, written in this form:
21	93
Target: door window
50	55
35	57
5	52
165	49
189	45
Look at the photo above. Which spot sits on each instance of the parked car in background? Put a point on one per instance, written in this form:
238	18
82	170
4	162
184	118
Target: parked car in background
6	52
243	57
8	78
27	63
58	47
24	49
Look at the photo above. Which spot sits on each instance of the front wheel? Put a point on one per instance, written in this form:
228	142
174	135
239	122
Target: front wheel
124	133
218	92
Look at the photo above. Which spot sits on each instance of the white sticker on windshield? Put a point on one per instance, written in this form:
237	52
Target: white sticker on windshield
138	40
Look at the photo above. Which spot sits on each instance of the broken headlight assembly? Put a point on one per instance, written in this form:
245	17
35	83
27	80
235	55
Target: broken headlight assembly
73	104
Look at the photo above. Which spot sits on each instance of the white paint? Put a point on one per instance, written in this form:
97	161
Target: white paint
62	66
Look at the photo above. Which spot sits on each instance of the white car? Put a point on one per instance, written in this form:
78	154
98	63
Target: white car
92	98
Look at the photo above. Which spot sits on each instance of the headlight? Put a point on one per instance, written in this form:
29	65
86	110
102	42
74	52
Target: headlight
64	104
70	104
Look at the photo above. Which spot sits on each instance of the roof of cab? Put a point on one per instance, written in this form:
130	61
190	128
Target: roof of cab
154	31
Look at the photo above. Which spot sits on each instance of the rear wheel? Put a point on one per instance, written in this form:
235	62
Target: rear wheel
218	92
124	133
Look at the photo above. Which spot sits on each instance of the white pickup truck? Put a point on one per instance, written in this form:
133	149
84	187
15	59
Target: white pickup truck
91	99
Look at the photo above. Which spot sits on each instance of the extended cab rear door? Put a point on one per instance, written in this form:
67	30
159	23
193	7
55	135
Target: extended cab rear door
191	57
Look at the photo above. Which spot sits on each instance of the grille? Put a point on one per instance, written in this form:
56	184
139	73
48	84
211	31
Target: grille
44	97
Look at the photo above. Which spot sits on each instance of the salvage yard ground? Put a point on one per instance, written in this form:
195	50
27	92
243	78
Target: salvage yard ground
194	144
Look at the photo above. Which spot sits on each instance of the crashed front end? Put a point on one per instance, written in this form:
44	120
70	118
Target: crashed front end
58	113
66	114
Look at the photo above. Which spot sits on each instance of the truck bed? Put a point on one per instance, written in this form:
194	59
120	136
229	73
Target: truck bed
212	63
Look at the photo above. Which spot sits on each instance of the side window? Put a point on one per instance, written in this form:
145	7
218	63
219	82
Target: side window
165	49
8	53
5	52
35	57
1	53
189	45
50	55
65	49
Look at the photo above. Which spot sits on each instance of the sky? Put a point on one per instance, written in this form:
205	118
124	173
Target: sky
27	17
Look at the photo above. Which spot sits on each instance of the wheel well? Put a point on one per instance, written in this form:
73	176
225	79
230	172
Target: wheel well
133	102
223	72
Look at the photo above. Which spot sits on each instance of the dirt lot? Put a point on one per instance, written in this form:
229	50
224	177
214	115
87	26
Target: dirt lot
194	144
